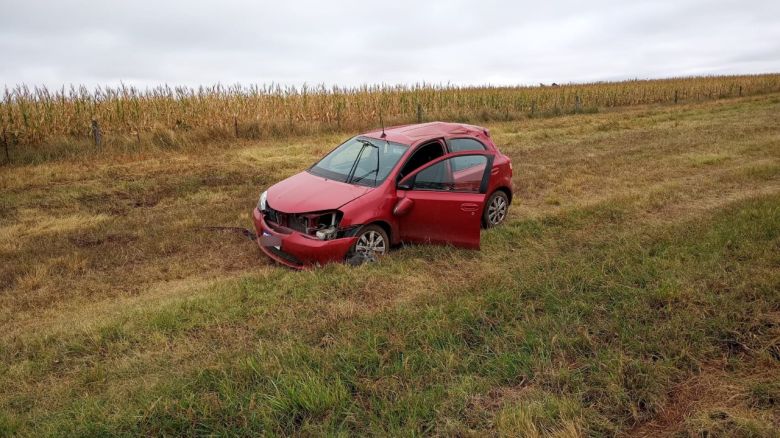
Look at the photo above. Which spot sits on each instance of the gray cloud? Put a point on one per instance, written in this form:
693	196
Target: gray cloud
354	42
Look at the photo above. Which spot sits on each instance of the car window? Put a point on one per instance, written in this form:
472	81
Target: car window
361	161
466	144
458	174
424	154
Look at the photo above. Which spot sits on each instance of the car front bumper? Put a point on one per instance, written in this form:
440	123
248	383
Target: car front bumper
296	250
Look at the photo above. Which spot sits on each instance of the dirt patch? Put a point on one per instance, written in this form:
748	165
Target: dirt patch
712	393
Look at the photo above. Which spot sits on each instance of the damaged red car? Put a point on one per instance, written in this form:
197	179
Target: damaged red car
427	183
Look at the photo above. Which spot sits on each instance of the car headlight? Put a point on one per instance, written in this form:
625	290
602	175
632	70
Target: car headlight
262	202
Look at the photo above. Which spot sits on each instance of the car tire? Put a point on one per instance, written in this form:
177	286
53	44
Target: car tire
372	243
496	209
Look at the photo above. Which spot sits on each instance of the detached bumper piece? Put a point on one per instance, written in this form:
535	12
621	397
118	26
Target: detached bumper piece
295	249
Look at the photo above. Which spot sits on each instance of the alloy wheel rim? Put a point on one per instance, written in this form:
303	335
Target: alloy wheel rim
371	243
497	210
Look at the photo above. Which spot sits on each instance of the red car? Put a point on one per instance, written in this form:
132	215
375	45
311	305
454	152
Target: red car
433	182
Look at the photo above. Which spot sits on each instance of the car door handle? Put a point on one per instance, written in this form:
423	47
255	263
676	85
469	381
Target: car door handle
468	206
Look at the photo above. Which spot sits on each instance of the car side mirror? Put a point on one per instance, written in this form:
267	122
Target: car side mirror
403	206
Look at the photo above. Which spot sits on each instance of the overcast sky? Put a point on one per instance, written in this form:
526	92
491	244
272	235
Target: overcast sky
195	42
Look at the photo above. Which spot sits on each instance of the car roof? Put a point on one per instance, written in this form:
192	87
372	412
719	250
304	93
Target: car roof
411	134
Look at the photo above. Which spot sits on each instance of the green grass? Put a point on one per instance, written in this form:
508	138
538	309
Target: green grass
643	301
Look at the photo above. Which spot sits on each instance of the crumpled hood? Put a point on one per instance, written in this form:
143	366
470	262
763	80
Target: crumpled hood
305	192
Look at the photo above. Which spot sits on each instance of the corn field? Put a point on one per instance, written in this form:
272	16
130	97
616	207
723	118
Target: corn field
32	116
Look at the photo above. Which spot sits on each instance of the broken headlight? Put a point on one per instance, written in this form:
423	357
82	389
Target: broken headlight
322	225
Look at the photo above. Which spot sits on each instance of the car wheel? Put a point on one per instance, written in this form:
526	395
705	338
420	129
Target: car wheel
372	243
496	208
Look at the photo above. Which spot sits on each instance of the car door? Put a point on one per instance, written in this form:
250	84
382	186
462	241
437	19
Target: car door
442	201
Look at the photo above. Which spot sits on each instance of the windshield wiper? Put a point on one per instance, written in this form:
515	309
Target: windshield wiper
366	144
360	178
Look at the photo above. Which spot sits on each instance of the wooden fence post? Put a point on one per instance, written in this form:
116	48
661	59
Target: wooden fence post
533	108
96	134
576	103
419	113
235	125
675	97
5	145
740	91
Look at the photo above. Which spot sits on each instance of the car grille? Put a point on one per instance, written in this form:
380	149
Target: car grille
289	220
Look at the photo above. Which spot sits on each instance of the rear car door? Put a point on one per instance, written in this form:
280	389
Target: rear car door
442	201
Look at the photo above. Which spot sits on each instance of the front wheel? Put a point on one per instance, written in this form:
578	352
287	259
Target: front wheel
496	208
372	243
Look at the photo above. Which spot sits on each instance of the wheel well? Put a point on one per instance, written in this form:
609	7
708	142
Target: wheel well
385	226
506	191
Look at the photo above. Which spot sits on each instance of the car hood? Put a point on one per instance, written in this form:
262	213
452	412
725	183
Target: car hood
305	192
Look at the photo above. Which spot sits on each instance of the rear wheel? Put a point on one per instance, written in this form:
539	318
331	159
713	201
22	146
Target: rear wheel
372	243
496	208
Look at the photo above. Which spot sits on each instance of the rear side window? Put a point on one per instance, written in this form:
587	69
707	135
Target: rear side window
465	144
462	145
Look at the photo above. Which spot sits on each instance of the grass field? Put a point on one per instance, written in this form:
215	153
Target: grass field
634	290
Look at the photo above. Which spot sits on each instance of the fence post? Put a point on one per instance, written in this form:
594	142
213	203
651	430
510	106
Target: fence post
96	134
533	108
5	145
576	103
740	91
419	113
675	97
338	116
235	125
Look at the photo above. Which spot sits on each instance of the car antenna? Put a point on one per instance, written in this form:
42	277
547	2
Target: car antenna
382	122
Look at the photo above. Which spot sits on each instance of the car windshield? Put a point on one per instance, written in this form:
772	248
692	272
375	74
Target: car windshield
360	160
